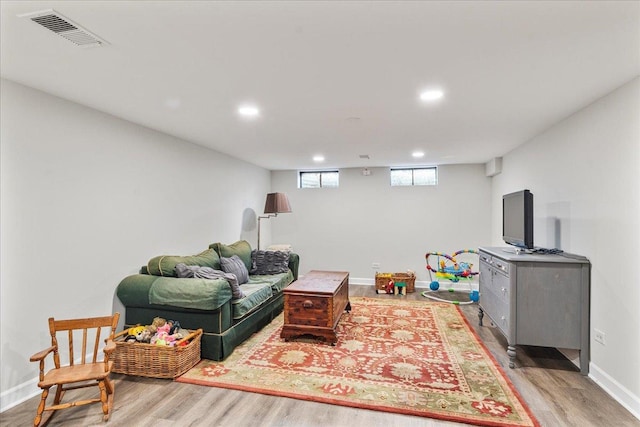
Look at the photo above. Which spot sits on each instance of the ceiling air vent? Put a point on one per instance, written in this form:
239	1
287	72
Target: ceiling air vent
64	27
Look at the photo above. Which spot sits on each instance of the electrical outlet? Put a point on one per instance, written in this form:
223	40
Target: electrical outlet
598	336
375	265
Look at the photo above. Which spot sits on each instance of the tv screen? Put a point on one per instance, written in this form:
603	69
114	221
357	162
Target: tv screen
517	219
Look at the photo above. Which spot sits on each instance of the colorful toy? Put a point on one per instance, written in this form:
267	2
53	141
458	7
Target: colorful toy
167	332
135	330
159	338
144	336
132	333
400	288
390	286
164	329
160	332
174	326
454	270
151	329
450	269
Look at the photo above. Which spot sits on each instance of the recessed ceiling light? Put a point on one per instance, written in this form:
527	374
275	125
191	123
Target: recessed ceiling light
431	95
248	111
318	158
418	154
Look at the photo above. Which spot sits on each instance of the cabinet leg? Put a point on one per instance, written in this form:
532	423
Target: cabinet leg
584	361
480	315
511	352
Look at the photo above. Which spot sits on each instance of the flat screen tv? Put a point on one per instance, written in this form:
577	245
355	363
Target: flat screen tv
517	219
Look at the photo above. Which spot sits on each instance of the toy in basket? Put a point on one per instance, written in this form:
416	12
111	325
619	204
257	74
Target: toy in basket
395	283
156	361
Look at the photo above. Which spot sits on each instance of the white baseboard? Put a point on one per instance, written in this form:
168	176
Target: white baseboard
25	391
421	284
616	390
18	394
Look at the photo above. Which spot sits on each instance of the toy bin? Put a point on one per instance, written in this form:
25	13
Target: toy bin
382	279
155	361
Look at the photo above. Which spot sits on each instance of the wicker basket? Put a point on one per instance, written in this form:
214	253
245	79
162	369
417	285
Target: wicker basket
383	278
148	360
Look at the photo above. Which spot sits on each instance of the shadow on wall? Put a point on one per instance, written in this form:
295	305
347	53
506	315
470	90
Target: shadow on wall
249	225
117	307
557	216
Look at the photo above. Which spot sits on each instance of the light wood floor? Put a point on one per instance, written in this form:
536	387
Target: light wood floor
551	385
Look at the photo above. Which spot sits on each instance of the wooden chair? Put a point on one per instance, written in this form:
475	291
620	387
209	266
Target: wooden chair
80	371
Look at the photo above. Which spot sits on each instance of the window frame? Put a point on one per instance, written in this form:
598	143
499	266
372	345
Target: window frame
413	169
321	172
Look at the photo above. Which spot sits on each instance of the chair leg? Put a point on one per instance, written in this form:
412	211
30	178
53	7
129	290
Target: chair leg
59	393
109	384
43	401
111	389
103	398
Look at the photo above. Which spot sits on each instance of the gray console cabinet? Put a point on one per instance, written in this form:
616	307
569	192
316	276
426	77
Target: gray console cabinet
539	300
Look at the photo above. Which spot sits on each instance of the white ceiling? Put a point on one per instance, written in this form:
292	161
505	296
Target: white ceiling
340	79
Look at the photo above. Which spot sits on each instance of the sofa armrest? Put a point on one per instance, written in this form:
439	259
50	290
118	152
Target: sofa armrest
294	264
143	290
133	291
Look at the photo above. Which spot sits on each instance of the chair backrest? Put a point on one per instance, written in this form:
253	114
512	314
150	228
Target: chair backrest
92	329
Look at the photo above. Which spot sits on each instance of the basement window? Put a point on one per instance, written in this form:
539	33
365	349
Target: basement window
414	176
318	179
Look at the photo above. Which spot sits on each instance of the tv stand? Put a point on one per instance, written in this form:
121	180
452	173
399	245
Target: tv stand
516	251
533	299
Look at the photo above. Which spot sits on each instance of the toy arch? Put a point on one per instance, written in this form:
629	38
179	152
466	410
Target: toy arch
452	270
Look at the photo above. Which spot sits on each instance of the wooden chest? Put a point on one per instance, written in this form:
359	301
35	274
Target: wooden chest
313	305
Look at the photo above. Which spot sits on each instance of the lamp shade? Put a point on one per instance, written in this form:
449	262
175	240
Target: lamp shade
277	203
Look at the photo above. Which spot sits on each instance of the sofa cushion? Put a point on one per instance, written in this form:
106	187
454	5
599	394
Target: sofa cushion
235	266
255	295
269	262
242	248
277	281
164	265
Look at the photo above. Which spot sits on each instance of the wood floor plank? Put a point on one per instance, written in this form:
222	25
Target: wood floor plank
551	385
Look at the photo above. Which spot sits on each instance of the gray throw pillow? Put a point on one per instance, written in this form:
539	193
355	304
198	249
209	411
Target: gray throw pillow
185	271
198	272
269	262
234	265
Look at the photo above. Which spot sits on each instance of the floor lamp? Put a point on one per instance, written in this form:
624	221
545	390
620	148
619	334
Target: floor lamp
276	203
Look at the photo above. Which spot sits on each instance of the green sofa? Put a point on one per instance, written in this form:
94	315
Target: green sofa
206	303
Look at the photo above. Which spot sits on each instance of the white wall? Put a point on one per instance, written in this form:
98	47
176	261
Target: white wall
585	176
86	200
366	220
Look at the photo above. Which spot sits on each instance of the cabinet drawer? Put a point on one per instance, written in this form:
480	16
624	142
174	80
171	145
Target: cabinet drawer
497	310
501	286
496	284
309	310
494	263
485	258
501	317
500	266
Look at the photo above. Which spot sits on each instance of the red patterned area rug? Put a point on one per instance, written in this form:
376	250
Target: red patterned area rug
409	357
